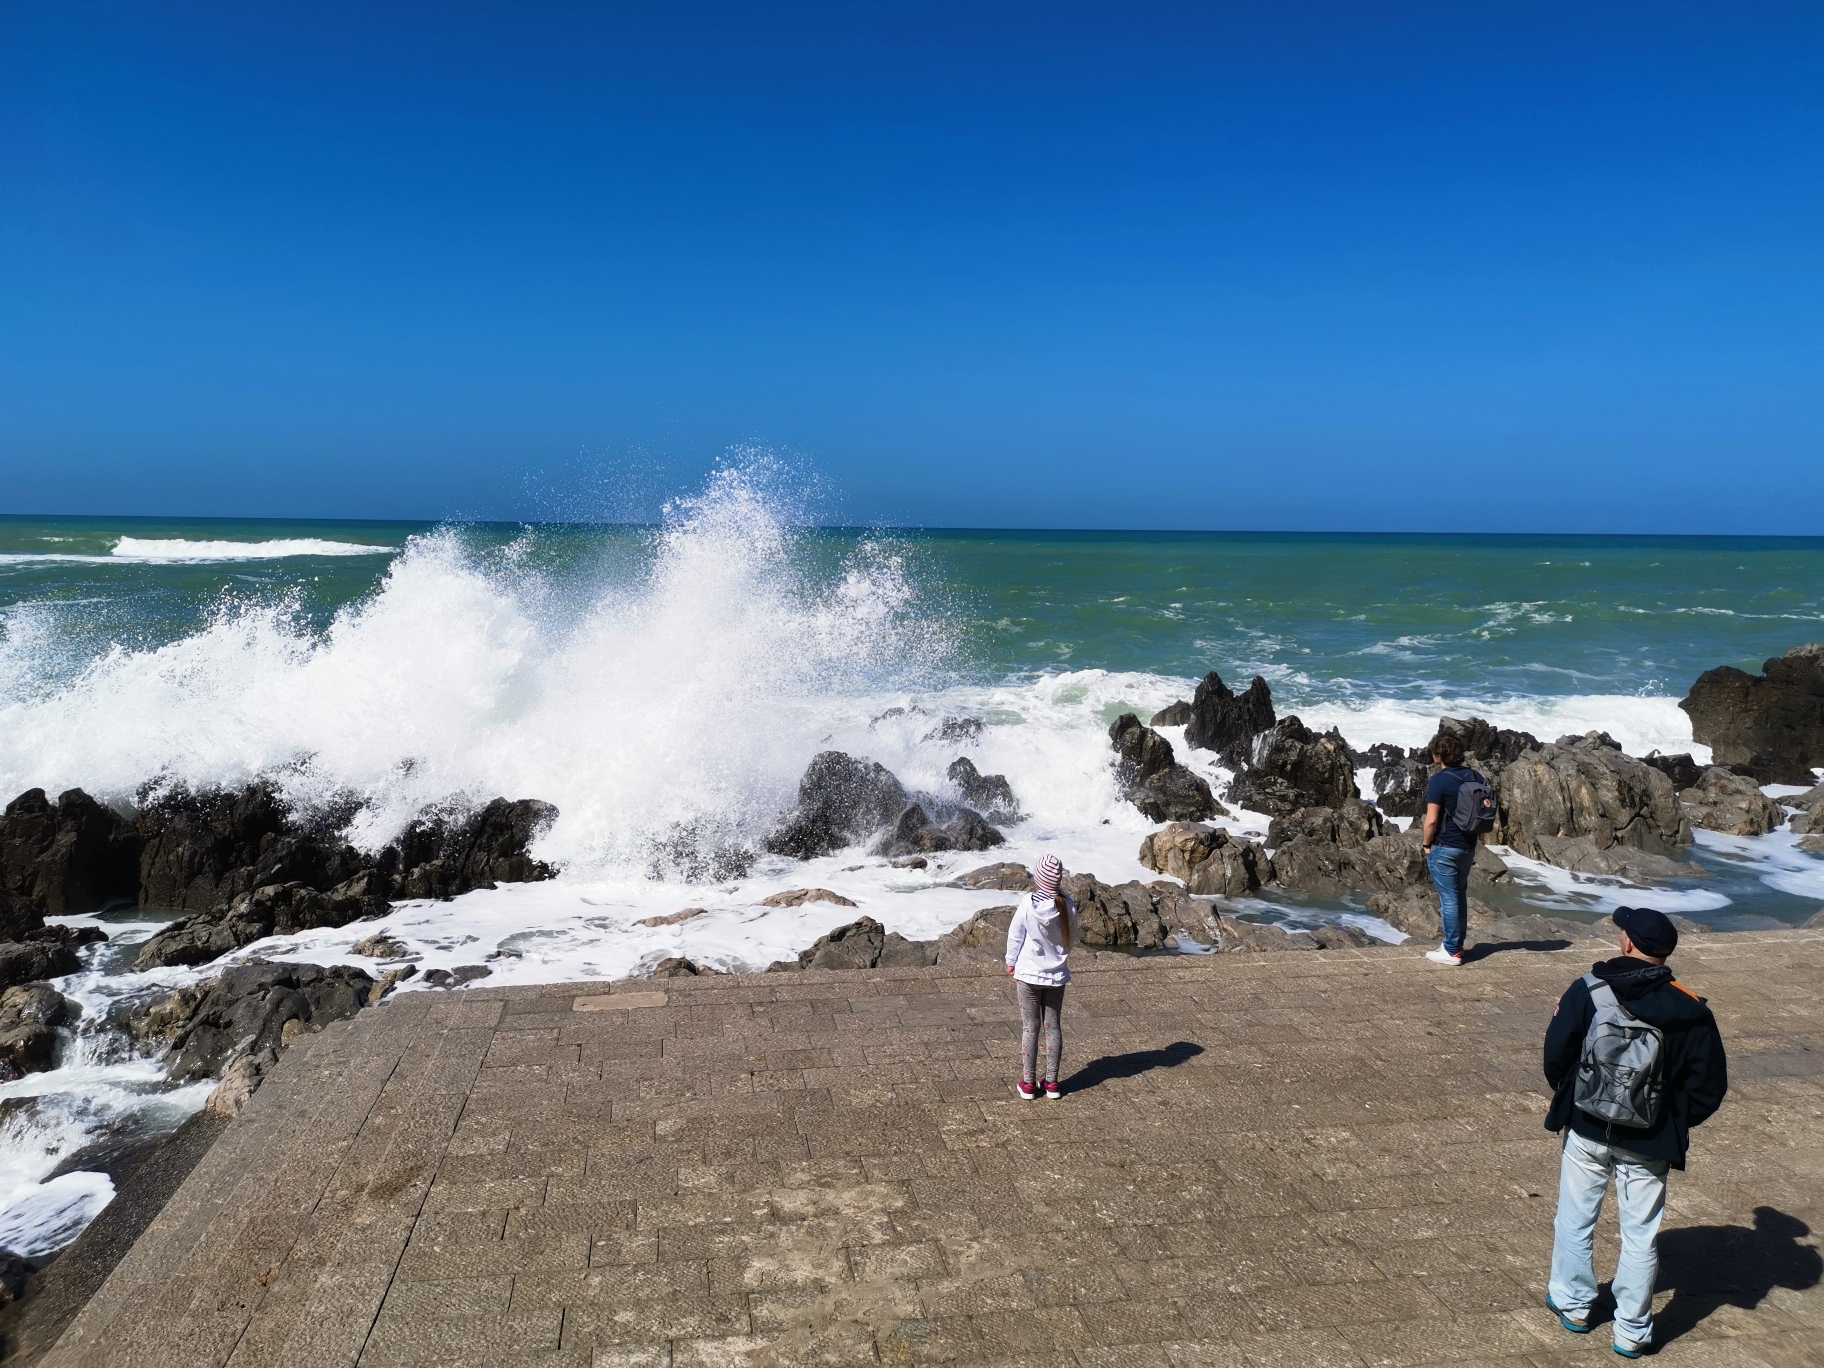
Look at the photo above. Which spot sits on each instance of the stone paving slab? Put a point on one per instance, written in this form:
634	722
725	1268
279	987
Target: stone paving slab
1299	1159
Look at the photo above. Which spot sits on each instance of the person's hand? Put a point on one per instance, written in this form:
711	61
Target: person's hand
1010	968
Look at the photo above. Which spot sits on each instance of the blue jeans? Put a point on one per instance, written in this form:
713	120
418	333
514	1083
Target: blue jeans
1450	866
1640	1200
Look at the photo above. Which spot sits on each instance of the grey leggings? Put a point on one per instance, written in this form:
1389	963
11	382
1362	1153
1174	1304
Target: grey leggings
1040	1006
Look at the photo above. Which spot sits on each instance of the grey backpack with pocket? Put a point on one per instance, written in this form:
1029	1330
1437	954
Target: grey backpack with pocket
1621	1076
1475	811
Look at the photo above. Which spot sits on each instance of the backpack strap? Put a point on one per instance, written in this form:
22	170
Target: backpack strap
1604	996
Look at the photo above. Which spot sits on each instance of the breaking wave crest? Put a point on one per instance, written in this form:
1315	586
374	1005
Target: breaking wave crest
684	692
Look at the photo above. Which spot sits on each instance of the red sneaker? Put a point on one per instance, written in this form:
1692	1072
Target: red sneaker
1027	1091
1051	1089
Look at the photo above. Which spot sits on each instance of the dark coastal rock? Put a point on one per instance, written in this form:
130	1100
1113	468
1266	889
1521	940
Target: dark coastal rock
271	910
678	967
841	802
455	978
446	855
956	731
1012	877
1810	819
1768	726
71	856
1243	937
30	961
19	916
1486	747
1722	800
1226	722
1171	715
1587	791
248	1008
1209	860
915	833
29	1017
1150	777
1292	767
1122	916
200	848
1332	851
981	939
1681	769
989	794
1585	855
1400	778
864	944
1415	910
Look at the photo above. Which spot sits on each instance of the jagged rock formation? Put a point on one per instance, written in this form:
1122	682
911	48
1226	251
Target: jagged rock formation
1149	775
841	802
1486	747
864	944
1582	804
1011	877
1335	850
1171	715
1400	778
1722	800
29	1017
989	794
915	833
1292	767
1223	721
1209	860
71	856
1768	726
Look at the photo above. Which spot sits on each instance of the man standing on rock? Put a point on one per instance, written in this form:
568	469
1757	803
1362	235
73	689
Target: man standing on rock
1450	849
1634	1060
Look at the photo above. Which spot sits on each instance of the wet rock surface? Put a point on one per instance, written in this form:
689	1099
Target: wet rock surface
1768	726
916	833
1209	860
1722	800
248	1008
29	1017
1218	719
1148	774
842	801
71	856
991	794
1292	767
1585	790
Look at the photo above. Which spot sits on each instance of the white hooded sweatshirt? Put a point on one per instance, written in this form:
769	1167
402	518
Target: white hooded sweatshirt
1035	942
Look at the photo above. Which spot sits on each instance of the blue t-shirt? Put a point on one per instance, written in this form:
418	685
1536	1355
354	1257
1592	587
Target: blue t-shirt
1442	790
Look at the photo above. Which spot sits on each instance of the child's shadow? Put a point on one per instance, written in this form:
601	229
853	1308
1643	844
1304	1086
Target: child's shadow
1130	1065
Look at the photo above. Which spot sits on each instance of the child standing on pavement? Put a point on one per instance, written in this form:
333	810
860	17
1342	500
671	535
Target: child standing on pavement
1039	938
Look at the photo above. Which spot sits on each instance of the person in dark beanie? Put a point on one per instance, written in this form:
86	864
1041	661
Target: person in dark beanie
1634	1060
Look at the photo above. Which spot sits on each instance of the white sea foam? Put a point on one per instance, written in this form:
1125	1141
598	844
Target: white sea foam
180	550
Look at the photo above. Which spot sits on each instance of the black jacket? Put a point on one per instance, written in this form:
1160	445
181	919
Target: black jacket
1697	1074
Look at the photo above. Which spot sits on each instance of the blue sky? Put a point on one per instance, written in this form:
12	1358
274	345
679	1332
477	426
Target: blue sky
1502	267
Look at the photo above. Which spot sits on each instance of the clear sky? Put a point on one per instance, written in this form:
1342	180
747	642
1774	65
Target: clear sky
1371	266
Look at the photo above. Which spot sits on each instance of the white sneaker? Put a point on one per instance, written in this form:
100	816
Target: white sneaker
1443	956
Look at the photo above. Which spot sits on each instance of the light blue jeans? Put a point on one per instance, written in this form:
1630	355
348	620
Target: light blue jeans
1640	1201
1450	866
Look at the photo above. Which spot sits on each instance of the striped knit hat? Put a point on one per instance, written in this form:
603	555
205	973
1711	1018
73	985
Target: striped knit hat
1045	877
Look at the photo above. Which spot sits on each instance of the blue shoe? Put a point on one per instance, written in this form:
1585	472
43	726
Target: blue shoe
1576	1327
1633	1351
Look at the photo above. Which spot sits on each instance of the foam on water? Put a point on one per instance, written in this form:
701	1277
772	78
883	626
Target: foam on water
184	551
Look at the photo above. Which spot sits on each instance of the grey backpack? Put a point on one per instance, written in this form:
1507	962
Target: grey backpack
1621	1077
1475	810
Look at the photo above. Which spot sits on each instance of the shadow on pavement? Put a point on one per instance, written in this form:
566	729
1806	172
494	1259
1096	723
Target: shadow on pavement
1705	1267
1472	953
1130	1065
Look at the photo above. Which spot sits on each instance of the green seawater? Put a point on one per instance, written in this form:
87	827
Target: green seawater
1326	618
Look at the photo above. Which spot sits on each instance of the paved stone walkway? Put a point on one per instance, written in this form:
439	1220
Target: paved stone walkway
1298	1159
